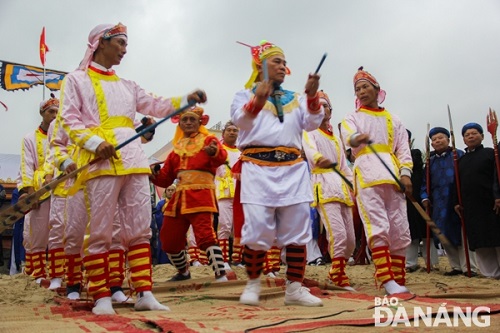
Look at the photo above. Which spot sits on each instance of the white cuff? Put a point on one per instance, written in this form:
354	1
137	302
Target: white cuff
92	143
65	164
405	172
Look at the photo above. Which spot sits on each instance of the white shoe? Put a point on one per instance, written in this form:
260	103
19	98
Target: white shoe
196	263
391	287
38	281
55	283
222	278
271	275
75	295
296	294
147	302
250	295
227	267
120	297
103	306
349	288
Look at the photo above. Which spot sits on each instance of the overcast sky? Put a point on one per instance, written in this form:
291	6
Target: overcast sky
424	53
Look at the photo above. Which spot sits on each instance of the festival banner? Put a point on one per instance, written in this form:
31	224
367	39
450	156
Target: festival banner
18	76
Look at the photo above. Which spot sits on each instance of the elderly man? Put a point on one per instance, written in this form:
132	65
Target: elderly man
275	184
98	111
479	190
442	185
193	161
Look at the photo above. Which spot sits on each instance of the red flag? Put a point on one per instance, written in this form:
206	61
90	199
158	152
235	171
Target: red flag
43	47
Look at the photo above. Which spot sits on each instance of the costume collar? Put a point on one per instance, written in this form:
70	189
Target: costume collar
101	69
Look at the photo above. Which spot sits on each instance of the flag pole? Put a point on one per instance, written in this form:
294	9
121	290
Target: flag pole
43	51
43	99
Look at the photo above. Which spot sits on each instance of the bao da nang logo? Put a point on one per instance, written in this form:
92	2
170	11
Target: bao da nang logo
390	312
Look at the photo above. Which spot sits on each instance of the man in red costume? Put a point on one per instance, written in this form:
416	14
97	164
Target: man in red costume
193	162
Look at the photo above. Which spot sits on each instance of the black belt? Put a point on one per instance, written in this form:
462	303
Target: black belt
274	156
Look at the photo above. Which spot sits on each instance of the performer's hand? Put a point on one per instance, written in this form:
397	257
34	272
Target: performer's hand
211	149
459	210
263	90
106	150
47	179
359	139
406	181
198	96
70	168
29	191
312	85
324	163
155	169
426	204
496	207
148	136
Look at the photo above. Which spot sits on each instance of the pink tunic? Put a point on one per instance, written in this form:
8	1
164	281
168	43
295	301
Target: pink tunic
382	206
332	196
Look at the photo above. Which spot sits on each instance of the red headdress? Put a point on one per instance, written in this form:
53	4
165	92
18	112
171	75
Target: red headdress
260	52
366	76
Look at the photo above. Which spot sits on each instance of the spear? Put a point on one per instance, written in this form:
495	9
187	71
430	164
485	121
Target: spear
13	213
492	122
459	195
428	188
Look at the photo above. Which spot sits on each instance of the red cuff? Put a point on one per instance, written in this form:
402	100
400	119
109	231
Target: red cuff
313	104
252	108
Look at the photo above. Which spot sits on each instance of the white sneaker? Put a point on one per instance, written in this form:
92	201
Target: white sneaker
196	263
75	295
222	278
296	294
103	306
250	295
120	297
271	275
55	283
227	267
147	302
392	287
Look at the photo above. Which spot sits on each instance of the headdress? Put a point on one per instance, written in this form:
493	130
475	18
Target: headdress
364	75
437	130
51	103
196	111
471	126
106	31
324	99
260	52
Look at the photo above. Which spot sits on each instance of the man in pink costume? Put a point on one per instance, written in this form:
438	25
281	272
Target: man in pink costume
332	196
224	191
30	179
382	205
98	111
275	184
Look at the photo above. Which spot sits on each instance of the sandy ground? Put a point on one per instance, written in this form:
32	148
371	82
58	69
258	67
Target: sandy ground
19	289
